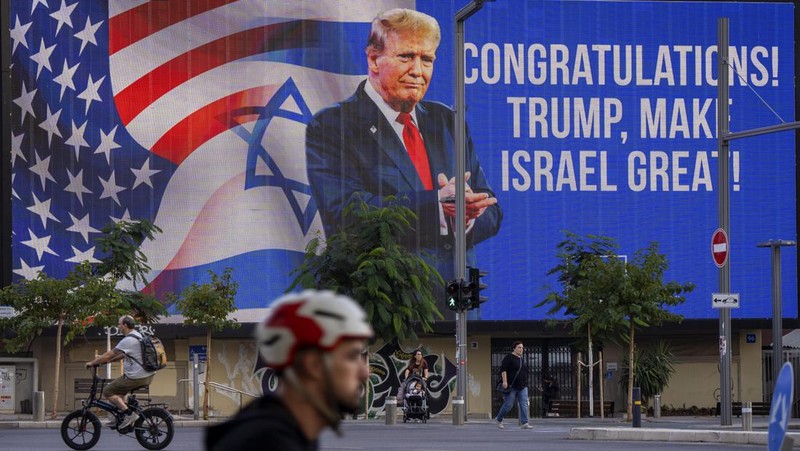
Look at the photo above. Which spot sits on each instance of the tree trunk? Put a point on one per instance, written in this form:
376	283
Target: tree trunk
208	374
58	366
630	372
366	389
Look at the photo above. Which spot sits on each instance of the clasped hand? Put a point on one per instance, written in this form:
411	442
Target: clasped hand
475	203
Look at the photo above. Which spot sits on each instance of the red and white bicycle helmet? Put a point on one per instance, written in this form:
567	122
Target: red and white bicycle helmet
310	319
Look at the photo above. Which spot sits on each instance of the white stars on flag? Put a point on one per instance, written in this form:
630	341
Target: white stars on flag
36	3
144	174
40	245
76	140
42	210
82	227
16	148
42	58
90	93
18	34
42	169
107	144
25	103
65	78
28	272
50	125
59	67
110	188
82	256
63	15
76	186
87	34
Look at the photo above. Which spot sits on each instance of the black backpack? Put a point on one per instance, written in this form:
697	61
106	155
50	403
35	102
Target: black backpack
154	357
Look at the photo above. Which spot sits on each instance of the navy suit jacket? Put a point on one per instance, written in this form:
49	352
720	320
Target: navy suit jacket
351	149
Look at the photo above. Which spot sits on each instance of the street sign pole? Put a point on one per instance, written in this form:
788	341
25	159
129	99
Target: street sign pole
724	138
724	219
460	233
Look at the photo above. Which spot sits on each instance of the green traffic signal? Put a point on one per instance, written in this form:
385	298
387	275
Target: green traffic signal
454	300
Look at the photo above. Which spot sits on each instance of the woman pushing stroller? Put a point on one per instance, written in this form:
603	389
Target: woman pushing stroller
414	392
417	366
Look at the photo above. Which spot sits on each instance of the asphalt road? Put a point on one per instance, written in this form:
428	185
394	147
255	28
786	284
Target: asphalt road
477	436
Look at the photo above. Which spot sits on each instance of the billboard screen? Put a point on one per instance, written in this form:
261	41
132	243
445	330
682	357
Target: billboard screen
593	117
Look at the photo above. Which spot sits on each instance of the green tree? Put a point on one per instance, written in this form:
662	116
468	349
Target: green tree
44	301
122	259
614	298
209	305
645	299
366	261
586	286
120	244
86	296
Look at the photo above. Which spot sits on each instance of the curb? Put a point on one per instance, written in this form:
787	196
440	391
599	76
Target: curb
673	435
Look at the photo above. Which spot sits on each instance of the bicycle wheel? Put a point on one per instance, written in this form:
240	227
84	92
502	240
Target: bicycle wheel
154	429
80	430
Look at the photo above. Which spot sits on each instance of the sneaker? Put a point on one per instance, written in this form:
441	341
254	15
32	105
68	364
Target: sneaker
129	420
526	426
500	425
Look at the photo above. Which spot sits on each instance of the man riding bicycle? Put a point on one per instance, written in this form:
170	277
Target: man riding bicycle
134	375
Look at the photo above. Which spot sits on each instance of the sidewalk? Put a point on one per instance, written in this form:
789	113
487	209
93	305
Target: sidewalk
679	429
664	429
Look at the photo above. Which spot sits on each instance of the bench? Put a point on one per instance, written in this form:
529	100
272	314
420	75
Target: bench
83	386
569	408
759	408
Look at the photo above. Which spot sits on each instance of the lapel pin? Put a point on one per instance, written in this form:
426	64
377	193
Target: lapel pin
373	129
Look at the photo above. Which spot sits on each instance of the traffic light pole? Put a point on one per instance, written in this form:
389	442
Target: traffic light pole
724	213
460	227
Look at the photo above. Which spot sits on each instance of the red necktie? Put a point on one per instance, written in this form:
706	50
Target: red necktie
416	149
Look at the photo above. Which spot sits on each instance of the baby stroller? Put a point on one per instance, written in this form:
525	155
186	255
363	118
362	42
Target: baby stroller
415	400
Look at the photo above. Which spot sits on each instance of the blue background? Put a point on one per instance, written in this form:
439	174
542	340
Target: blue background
681	222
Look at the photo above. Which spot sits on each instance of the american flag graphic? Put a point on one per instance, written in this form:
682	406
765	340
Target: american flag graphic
189	113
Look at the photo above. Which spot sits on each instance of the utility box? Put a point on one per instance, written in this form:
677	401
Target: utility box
8	388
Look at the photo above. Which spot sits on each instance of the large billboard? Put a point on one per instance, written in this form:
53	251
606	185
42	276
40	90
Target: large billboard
593	117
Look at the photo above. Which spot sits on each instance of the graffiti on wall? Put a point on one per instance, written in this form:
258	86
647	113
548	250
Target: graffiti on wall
386	367
386	375
243	369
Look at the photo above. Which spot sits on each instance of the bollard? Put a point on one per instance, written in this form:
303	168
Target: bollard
657	406
390	409
637	407
458	411
747	416
196	386
38	406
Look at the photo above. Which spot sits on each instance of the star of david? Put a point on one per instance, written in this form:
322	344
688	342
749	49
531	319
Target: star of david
256	153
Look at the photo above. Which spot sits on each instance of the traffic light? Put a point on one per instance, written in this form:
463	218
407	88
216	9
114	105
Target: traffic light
453	290
475	299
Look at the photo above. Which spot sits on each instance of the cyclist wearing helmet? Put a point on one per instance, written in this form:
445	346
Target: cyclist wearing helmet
315	341
135	376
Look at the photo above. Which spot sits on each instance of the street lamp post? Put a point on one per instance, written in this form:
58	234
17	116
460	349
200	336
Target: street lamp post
777	311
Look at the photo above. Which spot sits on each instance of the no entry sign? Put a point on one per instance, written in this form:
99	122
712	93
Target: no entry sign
719	247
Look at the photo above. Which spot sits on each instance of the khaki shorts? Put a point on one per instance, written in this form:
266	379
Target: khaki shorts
123	385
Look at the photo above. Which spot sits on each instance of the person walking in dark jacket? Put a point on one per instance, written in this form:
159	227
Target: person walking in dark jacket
514	375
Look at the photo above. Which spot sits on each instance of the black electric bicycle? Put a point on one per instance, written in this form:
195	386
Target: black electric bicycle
81	428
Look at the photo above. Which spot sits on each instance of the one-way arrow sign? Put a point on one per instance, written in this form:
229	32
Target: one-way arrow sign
725	300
